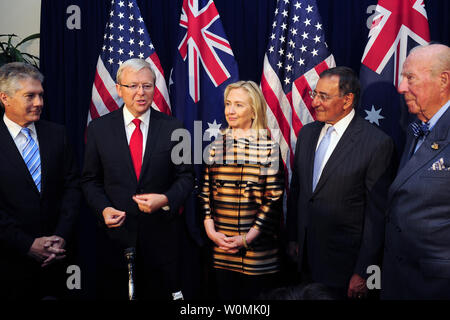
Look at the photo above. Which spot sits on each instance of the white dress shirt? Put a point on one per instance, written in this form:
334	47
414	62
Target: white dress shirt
338	132
129	126
19	138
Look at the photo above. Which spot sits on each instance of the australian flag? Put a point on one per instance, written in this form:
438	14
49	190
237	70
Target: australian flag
204	65
397	27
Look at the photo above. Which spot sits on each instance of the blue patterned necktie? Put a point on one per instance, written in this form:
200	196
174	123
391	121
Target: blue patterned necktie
419	129
320	155
30	154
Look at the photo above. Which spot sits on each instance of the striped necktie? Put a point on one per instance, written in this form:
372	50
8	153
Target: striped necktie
30	154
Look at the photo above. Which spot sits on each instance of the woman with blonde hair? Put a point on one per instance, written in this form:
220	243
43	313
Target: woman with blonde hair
241	197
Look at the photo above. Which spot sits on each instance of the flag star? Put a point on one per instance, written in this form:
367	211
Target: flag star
120	15
318	26
111	25
304	35
274	24
281	51
282	39
130	4
110	60
151	46
103	48
286	1
314	52
373	116
111	37
279	64
131	29
284	13
120	51
213	129
309	9
120	27
295	18
141	43
294	31
111	14
301	61
131	53
303	48
110	49
120	39
287	81
141	31
288	68
290	56
119	62
272	36
317	39
276	11
298	5
104	37
131	41
271	49
140	19
121	4
307	22
284	26
141	55
131	17
292	43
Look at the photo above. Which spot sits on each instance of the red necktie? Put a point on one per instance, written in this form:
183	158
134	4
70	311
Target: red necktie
136	147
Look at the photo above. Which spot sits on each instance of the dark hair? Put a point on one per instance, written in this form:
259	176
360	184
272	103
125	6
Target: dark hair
311	291
348	82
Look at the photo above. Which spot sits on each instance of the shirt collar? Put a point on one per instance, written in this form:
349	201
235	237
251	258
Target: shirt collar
15	129
128	117
438	115
342	124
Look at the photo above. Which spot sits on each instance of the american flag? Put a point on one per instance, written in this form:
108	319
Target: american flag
397	27
296	55
125	37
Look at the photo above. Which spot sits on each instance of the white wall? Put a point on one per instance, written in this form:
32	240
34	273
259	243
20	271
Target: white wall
21	17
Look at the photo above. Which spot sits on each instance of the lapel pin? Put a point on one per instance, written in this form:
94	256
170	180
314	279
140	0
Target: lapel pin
435	146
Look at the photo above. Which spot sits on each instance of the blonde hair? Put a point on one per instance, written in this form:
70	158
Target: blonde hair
258	103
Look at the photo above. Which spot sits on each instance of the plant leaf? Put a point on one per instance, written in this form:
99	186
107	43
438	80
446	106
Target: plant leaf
31	37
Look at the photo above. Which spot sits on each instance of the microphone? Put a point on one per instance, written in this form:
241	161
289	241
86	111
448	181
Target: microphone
130	256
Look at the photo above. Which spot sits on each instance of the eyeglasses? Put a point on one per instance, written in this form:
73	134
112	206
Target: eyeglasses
135	87
322	96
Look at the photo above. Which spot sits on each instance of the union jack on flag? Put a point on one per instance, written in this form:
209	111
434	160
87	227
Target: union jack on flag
397	26
295	57
125	37
204	65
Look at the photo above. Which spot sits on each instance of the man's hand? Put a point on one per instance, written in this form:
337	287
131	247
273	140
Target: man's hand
47	249
357	288
150	202
113	218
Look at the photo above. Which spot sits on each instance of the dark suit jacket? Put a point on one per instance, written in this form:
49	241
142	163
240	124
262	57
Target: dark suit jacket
341	222
26	214
417	250
108	180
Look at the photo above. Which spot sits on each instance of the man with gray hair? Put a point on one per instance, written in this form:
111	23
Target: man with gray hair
39	189
133	186
417	247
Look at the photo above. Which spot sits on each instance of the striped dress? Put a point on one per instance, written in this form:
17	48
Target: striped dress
243	188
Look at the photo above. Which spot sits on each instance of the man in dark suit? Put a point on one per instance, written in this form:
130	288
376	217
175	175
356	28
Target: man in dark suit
131	182
39	189
341	171
416	261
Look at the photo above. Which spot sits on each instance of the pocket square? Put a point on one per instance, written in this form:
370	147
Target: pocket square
439	166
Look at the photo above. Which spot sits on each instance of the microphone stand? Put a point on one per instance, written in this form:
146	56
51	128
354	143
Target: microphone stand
130	257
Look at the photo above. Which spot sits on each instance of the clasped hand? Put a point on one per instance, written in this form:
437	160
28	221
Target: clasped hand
228	244
47	250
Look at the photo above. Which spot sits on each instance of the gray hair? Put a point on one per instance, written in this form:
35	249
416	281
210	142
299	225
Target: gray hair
438	55
136	65
12	73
